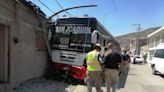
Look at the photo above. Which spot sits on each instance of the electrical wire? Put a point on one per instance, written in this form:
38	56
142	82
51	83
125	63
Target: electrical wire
86	36
62	7
90	11
115	10
115	6
46	6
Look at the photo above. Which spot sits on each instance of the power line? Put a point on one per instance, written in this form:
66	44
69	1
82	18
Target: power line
46	6
115	10
115	6
62	7
92	9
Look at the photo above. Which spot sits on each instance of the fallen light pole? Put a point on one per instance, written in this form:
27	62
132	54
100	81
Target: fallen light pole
44	23
76	7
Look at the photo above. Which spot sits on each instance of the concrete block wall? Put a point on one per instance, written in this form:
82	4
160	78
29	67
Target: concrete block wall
25	60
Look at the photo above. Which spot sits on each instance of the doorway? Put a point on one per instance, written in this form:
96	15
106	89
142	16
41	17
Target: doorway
3	54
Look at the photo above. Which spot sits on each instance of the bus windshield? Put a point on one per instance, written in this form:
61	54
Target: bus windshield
72	41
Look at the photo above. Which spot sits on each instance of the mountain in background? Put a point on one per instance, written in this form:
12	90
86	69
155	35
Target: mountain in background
124	40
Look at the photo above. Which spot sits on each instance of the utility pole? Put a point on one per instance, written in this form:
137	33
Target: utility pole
138	37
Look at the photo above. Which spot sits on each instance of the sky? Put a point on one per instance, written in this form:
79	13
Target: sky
118	16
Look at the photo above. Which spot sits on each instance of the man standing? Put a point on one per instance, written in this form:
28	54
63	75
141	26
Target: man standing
94	68
126	60
113	65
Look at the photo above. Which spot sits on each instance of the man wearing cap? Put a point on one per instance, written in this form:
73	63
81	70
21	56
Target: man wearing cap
113	65
94	69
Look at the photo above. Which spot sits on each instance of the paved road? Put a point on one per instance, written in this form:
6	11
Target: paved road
138	79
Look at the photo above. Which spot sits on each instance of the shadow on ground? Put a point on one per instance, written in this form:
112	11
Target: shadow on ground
122	80
42	85
160	75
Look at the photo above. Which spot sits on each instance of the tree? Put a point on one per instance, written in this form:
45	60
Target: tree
144	57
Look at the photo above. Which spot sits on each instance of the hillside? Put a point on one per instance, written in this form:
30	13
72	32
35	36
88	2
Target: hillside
124	40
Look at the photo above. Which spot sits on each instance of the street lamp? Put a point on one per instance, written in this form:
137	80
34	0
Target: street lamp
76	7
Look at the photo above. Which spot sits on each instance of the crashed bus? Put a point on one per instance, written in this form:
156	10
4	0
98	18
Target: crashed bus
71	39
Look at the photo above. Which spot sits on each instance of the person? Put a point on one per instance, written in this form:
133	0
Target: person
94	69
103	68
126	61
105	49
113	65
103	58
144	56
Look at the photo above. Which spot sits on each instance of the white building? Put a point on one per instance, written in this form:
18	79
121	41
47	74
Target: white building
154	39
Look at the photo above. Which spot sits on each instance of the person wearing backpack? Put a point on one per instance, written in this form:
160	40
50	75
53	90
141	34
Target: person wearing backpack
126	61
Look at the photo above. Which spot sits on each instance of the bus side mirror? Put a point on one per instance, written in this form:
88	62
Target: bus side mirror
95	36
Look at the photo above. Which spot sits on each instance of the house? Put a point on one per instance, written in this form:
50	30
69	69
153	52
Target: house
137	43
23	54
154	39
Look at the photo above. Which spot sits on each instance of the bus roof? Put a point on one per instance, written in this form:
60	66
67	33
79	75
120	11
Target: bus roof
93	23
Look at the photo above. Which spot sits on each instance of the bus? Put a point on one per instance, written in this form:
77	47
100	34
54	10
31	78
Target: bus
72	38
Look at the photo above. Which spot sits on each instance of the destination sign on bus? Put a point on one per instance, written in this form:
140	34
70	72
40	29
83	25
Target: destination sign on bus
74	29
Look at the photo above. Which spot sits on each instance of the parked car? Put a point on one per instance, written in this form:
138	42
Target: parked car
137	59
157	64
